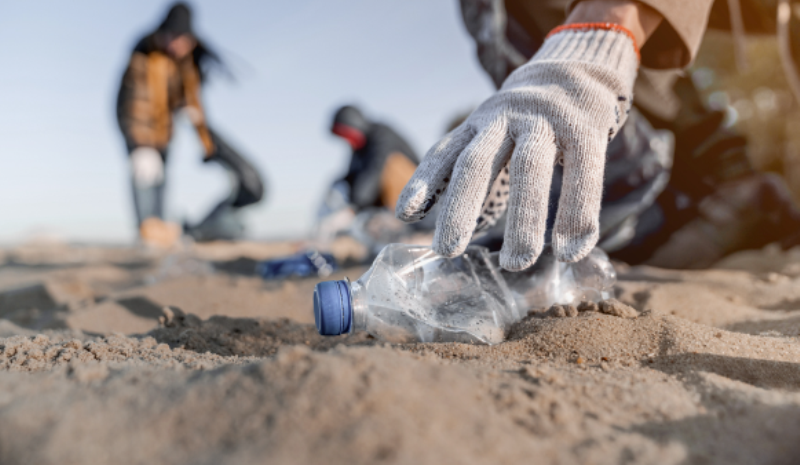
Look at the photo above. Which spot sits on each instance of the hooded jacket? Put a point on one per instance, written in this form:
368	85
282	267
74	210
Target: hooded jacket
380	169
155	85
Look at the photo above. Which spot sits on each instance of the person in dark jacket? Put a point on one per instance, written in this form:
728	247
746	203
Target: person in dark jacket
382	162
361	203
165	74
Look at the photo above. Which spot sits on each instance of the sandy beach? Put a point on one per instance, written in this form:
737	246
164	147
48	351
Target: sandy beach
122	355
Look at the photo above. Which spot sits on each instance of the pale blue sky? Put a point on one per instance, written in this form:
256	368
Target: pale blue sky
64	170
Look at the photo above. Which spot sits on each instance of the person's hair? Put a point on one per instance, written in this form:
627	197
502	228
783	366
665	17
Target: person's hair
207	60
178	21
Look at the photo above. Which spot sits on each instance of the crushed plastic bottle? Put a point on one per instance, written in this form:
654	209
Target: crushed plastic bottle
412	294
549	281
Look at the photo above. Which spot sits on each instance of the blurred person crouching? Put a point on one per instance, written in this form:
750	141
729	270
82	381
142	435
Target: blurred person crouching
165	74
361	203
356	218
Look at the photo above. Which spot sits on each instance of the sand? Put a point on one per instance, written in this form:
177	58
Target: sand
119	355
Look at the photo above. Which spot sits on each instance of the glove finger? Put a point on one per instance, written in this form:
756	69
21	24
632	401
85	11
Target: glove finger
531	173
496	201
472	177
432	176
577	226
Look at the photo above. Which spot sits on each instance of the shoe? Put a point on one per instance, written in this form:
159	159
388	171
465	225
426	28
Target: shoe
159	233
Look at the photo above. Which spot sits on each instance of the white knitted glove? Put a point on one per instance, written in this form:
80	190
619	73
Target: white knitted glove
564	105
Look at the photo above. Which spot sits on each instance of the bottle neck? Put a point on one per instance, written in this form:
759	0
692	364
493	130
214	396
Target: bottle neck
359	304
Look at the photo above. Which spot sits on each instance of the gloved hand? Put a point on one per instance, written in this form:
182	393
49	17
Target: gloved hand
564	105
147	167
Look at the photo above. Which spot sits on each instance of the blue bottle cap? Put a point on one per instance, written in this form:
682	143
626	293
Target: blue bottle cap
333	307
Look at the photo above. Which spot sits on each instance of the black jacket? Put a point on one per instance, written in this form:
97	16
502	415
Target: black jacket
367	163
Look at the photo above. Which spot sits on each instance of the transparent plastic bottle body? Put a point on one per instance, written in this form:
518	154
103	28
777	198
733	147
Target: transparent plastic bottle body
412	294
550	282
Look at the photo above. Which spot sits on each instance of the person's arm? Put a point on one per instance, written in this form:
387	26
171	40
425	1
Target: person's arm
194	107
641	20
675	40
365	187
387	168
564	105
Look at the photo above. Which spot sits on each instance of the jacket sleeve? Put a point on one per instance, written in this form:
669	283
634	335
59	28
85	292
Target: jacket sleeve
133	104
390	162
365	185
191	88
675	43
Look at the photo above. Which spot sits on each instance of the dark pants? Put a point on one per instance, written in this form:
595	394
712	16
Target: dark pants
148	202
224	221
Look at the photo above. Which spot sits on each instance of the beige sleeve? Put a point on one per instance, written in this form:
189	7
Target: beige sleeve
191	87
395	175
675	42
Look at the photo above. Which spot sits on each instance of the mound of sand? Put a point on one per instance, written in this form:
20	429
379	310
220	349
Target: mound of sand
705	370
